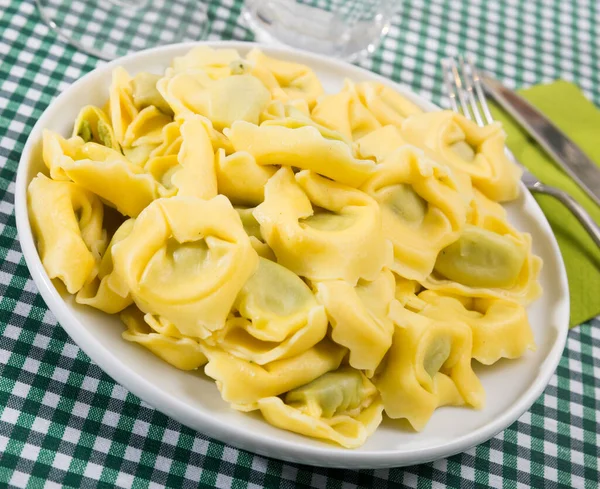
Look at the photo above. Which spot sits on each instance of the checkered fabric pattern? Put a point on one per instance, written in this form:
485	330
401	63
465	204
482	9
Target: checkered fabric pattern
64	423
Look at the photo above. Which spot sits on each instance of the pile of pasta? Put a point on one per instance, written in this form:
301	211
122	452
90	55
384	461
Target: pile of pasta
324	257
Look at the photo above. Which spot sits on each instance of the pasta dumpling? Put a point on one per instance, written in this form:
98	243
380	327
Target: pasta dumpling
491	261
186	259
345	113
341	406
386	105
121	108
427	366
101	170
500	328
183	353
243	383
252	229
279	317
359	317
223	101
477	151
67	223
294	115
217	63
240	178
145	94
379	144
106	292
92	124
284	79
303	147
322	230
422	209
146	128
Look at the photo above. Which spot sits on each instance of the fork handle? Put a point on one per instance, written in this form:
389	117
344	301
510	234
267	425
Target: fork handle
575	207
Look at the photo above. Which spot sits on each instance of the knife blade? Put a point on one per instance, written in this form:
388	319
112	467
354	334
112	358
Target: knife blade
560	148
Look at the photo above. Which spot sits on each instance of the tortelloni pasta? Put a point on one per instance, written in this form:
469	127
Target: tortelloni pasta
493	261
344	112
422	209
359	317
284	79
92	125
303	147
386	105
186	259
278	317
101	170
252	229
324	258
67	223
428	366
500	328
243	383
342	406
223	101
106	292
462	144
181	352
322	230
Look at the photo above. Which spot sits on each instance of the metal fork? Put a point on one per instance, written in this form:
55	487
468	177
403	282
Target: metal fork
466	94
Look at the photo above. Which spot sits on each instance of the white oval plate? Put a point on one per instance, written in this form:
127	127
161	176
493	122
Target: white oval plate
191	398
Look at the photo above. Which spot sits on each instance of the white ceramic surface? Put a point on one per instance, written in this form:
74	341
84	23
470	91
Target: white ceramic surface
193	399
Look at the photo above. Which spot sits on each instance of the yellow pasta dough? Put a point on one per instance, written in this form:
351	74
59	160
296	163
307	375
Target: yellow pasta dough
385	103
303	147
106	292
284	79
146	128
145	94
345	113
122	109
182	353
379	144
428	365
252	229
186	259
341	406
339	238
359	317
217	63
462	144
422	209
279	317
92	124
494	261
240	178
324	257
500	328
223	101
243	383
105	172
67	223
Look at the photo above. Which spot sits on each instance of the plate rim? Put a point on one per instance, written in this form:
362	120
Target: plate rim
325	455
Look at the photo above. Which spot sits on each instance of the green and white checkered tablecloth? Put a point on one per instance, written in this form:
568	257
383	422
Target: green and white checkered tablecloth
63	422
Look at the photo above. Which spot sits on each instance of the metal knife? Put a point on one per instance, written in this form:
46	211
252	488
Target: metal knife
562	150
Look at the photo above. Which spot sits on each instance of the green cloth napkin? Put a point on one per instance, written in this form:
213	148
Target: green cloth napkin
565	105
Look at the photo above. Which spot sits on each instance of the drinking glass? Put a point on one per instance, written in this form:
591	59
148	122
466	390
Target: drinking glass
112	28
342	28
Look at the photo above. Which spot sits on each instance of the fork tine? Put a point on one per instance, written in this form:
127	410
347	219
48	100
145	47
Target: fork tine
468	82
449	81
459	88
479	90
